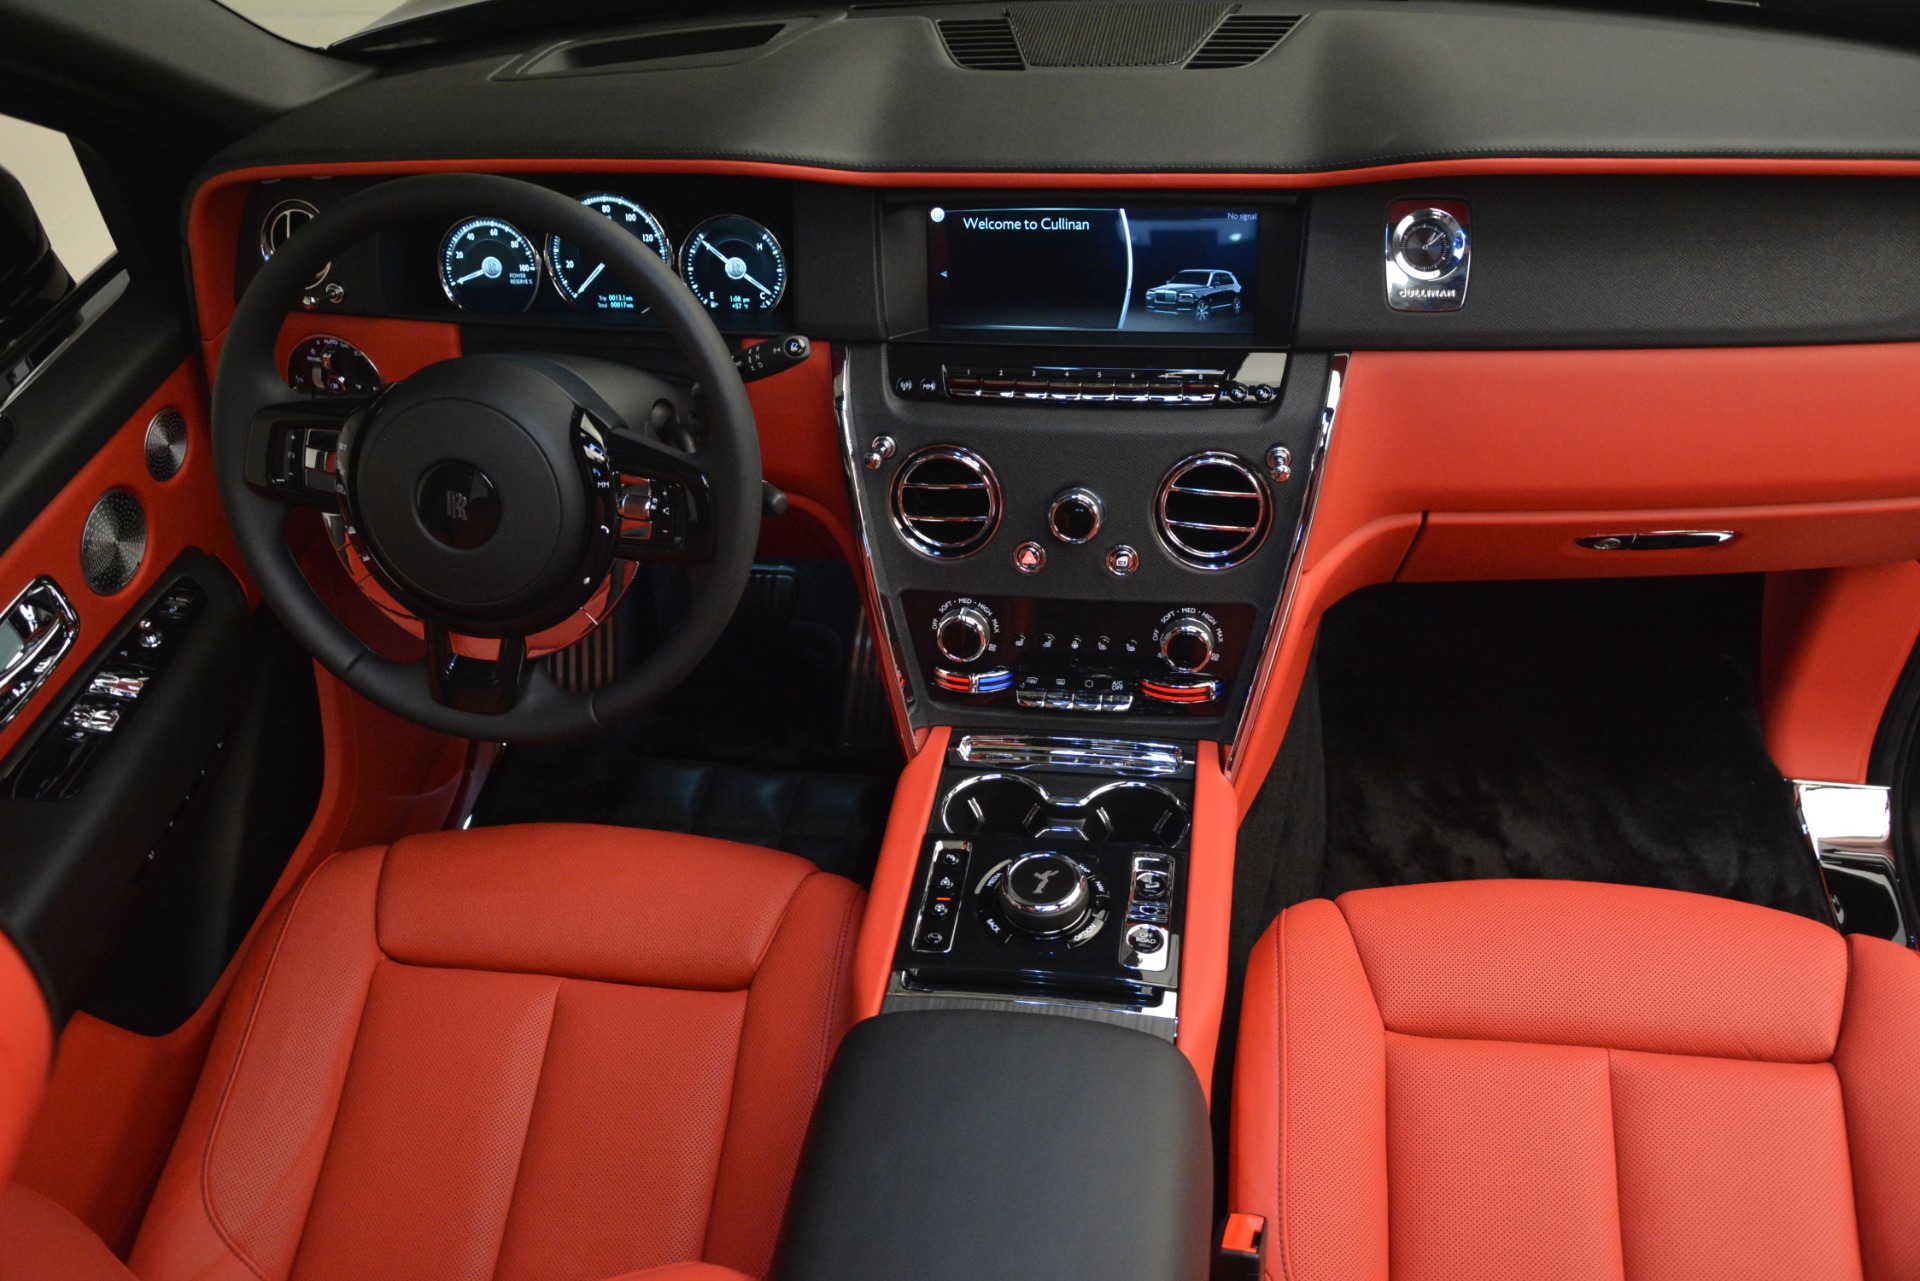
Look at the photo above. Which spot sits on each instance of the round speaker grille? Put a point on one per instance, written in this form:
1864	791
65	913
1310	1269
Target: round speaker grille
166	444
113	542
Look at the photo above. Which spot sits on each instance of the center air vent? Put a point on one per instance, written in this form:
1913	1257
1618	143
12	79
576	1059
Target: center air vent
1242	39
1186	34
982	44
1213	511
946	502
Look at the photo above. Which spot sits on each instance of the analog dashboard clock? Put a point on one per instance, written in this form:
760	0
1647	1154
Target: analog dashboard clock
734	266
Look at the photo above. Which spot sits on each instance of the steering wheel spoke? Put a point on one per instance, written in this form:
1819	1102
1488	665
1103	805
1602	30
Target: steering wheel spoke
293	450
468	684
665	503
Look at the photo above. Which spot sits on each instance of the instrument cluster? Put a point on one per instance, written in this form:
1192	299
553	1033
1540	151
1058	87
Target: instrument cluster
723	238
732	264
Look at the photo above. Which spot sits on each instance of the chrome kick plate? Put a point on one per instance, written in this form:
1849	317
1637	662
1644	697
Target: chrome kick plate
1851	829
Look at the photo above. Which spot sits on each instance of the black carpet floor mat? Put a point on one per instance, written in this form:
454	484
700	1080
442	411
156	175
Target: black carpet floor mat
836	820
762	744
1596	731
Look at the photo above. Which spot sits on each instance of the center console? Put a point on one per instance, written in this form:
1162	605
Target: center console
1082	467
1053	877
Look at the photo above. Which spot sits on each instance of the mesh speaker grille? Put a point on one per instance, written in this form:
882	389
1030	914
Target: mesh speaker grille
1112	35
166	444
113	542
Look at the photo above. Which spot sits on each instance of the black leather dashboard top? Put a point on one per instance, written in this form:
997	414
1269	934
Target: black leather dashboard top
1358	83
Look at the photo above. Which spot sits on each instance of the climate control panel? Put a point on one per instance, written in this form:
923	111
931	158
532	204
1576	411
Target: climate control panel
1078	656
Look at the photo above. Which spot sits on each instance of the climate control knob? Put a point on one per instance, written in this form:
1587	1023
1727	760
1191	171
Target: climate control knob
962	633
1046	894
1188	645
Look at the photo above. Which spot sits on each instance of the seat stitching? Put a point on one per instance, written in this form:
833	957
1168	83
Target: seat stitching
833	997
1613	1129
233	1072
546	1053
1840	1087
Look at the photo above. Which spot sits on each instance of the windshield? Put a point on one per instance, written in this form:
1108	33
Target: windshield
1188	278
313	22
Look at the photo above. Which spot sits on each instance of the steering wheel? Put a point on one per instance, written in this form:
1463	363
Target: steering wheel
491	495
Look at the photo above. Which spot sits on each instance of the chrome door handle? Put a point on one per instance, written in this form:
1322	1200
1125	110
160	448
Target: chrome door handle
37	630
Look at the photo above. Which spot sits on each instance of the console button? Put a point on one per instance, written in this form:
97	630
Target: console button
1152	885
1186	692
1146	939
1122	560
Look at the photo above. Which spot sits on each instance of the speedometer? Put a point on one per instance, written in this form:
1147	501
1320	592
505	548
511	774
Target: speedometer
734	266
488	265
583	279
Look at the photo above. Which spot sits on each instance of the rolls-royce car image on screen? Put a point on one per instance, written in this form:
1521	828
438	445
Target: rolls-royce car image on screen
959	640
1200	292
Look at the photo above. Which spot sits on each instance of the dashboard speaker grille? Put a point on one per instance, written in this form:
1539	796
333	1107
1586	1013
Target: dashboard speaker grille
113	542
1242	39
1213	511
166	444
946	501
982	44
1112	35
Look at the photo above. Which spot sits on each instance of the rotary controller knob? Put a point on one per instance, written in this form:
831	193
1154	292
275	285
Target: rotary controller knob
962	633
1188	645
1075	515
1046	894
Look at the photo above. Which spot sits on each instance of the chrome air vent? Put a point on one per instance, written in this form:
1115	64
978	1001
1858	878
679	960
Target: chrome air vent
1242	39
1213	511
946	502
981	44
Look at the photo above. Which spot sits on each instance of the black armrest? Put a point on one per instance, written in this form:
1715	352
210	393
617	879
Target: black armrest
989	1146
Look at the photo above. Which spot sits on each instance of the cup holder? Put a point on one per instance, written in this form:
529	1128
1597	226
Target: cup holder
996	805
1012	805
1138	813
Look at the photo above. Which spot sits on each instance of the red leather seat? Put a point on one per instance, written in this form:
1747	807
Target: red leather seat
1536	1079
556	1051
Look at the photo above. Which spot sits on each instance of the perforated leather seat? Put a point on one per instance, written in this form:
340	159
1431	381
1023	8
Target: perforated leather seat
551	1051
1536	1079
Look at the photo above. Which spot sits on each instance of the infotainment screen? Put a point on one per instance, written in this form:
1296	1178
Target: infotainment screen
1149	270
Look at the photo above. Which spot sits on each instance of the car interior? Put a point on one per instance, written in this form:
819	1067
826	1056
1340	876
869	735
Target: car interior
1101	640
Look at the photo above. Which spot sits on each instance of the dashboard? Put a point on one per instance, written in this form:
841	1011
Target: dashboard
1107	412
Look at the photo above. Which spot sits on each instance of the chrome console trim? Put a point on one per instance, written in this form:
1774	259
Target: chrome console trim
1850	827
1296	555
892	656
1130	758
1162	1017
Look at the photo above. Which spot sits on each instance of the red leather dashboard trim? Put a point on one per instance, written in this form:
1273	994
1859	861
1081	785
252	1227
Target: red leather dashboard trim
1476	464
1833	646
892	888
1203	947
